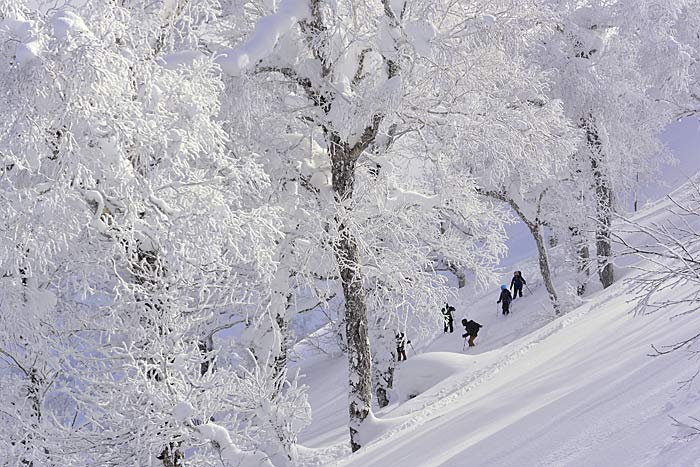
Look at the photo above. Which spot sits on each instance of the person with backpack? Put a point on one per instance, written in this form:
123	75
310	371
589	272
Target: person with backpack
448	317
472	329
401	346
516	284
505	298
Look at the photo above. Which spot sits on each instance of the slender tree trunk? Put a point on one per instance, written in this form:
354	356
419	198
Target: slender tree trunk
536	229
383	361
603	240
33	394
543	261
604	203
582	260
356	329
385	381
280	363
584	257
206	347
148	272
359	360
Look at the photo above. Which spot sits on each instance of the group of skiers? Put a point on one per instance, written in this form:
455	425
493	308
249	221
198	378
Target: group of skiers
471	327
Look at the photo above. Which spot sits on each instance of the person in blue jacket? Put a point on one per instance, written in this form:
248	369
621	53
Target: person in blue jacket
505	298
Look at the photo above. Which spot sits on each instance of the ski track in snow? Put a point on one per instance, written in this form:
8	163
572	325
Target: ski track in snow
454	390
432	410
582	393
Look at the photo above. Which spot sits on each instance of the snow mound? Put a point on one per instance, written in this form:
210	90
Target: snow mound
422	372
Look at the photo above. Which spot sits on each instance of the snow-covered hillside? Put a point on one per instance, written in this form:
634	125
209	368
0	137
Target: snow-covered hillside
535	391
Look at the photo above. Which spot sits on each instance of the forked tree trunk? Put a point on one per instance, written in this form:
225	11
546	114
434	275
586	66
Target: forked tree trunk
356	330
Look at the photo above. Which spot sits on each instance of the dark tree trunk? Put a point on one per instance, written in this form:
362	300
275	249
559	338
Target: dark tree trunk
385	381
582	260
280	362
171	456
384	361
356	329
543	261
603	240
604	204
206	347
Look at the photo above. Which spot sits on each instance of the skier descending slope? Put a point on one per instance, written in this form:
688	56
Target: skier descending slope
505	298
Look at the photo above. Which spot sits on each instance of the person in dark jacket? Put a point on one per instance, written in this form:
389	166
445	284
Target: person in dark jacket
401	346
505	298
472	328
516	284
448	317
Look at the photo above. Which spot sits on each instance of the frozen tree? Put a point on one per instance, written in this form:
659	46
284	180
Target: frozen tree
610	87
133	232
393	103
513	138
671	50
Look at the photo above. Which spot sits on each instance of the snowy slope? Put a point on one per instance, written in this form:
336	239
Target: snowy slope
536	391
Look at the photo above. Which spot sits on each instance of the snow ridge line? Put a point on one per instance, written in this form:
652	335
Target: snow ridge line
468	384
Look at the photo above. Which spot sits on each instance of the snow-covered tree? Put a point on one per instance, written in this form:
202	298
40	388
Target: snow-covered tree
394	103
513	138
609	87
133	232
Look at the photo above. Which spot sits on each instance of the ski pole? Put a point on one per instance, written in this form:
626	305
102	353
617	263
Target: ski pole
414	350
528	289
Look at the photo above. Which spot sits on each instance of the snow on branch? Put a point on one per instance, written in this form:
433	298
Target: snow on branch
265	36
230	454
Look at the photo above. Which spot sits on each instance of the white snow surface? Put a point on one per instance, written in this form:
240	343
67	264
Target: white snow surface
577	390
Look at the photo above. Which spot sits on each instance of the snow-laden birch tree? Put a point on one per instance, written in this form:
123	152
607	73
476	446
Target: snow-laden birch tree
666	34
512	137
602	69
131	233
397	100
